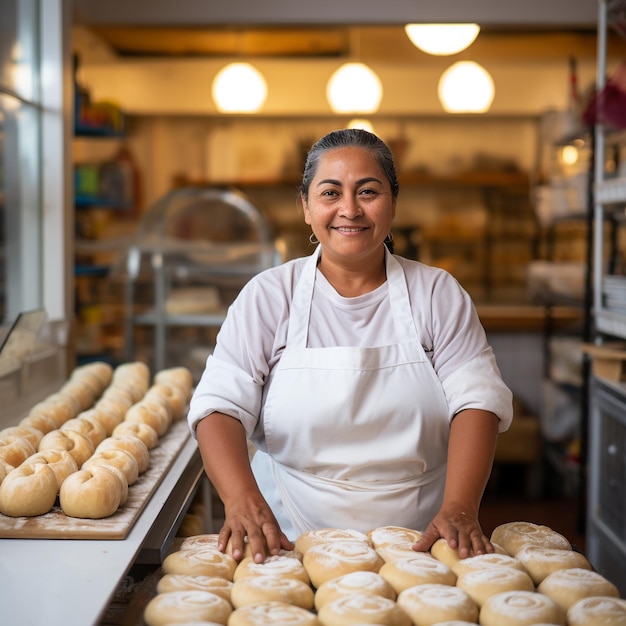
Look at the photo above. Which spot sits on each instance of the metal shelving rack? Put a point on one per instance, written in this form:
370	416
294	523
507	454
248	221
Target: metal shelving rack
606	504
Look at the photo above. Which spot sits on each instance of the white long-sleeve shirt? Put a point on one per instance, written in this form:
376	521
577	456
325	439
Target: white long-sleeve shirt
252	338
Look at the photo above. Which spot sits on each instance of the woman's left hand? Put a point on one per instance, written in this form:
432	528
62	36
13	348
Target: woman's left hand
460	528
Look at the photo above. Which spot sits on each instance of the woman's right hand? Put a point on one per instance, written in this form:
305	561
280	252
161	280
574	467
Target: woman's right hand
248	515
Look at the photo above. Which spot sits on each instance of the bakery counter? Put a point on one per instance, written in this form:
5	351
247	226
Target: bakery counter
70	582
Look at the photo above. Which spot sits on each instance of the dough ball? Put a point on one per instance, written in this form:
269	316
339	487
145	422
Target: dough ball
200	561
397	551
15	450
145	432
134	445
208	540
61	462
28	490
272	613
194	582
151	413
92	494
278	565
256	589
86	425
330	560
513	536
442	551
121	460
432	603
540	561
482	561
177	607
567	586
484	583
520	608
420	569
354	582
325	535
77	444
32	435
393	535
363	608
597	611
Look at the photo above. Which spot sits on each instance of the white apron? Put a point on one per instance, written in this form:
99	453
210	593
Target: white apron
356	437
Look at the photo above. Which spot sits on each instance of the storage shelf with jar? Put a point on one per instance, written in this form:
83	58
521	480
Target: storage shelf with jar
105	180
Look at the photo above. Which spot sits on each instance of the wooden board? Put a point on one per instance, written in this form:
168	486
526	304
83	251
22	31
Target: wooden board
57	525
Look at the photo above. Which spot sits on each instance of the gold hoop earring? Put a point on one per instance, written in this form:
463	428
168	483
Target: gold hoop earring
313	239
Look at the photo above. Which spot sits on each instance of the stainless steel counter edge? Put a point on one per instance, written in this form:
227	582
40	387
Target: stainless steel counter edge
70	582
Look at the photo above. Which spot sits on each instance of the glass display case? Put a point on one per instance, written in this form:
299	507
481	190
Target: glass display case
194	251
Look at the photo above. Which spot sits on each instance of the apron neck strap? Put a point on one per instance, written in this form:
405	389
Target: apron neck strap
297	332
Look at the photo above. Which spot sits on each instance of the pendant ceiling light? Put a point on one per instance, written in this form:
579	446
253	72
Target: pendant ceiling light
239	88
354	88
466	87
442	39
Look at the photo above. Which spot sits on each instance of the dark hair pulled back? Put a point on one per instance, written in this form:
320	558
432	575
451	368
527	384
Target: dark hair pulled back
344	138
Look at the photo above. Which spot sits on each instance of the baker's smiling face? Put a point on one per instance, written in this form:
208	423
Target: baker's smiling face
350	204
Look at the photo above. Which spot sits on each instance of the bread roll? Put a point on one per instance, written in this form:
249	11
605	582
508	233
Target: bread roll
134	445
91	494
106	416
513	536
5	468
86	425
101	369
433	603
39	421
279	565
325	535
540	561
180	376
363	608
173	395
61	462
194	582
520	608
201	561
116	399
567	586
151	413
597	611
14	450
330	560
32	435
80	392
145	432
484	583
90	378
28	490
482	561
272	614
256	589
79	446
177	607
416	570
120	459
354	582
57	408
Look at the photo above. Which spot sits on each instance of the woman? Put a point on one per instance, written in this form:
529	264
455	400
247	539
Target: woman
363	379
